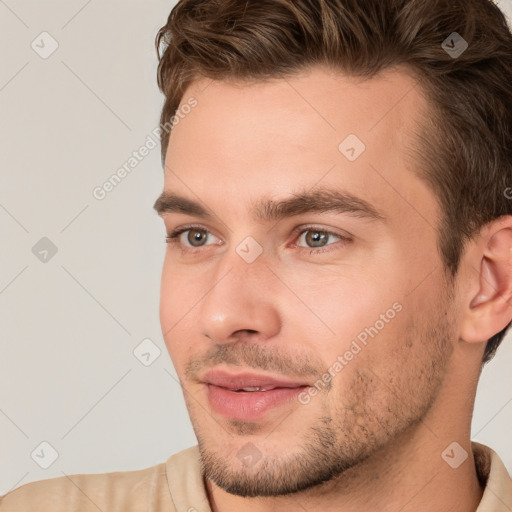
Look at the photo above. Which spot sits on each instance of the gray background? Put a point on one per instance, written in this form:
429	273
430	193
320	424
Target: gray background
69	325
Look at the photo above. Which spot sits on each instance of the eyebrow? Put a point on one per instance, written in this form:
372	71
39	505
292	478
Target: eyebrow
319	200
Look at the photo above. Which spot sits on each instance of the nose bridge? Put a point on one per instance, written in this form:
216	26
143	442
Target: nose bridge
239	297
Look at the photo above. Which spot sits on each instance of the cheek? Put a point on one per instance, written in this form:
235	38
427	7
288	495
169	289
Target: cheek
350	306
395	363
178	296
371	373
369	347
181	347
179	290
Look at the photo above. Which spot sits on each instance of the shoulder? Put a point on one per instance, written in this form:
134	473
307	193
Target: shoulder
494	478
117	491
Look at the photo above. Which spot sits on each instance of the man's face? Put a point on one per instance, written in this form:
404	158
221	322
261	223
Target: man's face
348	302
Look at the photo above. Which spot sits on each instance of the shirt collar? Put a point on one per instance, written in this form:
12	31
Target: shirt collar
493	475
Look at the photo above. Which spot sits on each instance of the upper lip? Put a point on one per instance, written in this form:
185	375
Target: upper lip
243	380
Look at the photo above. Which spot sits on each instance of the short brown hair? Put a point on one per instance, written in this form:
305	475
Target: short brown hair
465	149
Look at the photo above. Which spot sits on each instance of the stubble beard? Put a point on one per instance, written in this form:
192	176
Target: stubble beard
345	435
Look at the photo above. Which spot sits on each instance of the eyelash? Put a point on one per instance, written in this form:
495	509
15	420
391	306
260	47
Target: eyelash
172	238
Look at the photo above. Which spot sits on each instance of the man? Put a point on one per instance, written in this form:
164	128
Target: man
339	264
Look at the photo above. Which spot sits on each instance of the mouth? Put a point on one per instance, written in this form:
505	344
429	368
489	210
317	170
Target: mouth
249	382
247	396
252	389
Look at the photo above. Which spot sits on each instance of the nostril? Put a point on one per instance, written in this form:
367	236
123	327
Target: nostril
243	331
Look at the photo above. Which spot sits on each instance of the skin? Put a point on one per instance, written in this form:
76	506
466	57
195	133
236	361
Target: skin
373	438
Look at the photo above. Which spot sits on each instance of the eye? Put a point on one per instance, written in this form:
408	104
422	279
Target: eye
192	238
317	238
195	236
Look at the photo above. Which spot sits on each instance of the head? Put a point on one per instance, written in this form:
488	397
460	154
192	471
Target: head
392	152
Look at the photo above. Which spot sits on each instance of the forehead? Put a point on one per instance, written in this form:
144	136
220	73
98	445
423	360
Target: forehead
320	128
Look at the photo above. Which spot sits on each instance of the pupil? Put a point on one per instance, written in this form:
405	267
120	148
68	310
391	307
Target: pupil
196	236
313	237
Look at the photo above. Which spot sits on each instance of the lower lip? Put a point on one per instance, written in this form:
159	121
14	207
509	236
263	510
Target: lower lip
249	405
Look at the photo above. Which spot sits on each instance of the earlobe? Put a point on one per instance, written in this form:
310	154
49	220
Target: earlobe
489	309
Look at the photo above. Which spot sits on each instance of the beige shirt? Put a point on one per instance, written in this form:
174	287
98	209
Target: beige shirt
177	486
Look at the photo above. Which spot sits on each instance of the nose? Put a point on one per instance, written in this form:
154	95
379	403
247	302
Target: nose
241	302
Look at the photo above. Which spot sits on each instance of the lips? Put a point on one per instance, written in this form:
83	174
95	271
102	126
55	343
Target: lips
247	381
248	396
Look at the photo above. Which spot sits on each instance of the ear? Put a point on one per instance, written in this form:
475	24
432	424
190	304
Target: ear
488	306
